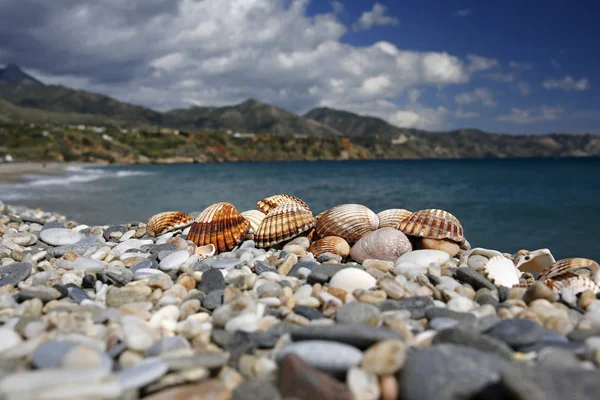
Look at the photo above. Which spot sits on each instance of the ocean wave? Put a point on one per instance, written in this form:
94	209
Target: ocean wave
77	175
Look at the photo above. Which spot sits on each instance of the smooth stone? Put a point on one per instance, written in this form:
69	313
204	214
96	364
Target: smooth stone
50	354
113	228
85	357
308	312
146	264
167	344
469	337
8	339
256	389
356	312
358	335
364	385
299	380
117	274
244	322
213	299
123	247
84	247
465	319
174	260
417	305
59	236
516	332
539	291
299	265
88	265
423	258
327	356
473	278
212	389
88	281
351	279
183	361
43	293
116	297
14	273
142	374
138	335
477	262
441	323
261	267
226	263
385	358
461	304
211	280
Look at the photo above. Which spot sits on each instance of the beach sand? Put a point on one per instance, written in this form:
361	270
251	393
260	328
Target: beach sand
14	172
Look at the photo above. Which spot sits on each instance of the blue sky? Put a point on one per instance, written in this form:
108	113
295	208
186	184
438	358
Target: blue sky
511	66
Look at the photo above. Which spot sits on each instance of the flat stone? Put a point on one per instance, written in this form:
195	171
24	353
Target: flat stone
351	279
308	312
516	332
358	335
463	318
539	291
59	236
211	280
119	275
44	293
356	312
327	356
142	374
50	354
385	358
174	260
473	278
303	264
111	229
14	273
117	297
417	305
260	267
179	362
213	299
89	265
441	323
212	389
138	335
226	263
85	246
256	389
423	258
471	338
167	344
146	264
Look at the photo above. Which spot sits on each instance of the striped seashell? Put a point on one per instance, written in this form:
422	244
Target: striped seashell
568	265
502	272
269	203
576	283
348	221
330	244
433	224
533	261
220	224
282	223
167	221
255	218
393	217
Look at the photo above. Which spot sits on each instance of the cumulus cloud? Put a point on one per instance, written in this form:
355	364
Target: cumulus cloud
531	115
479	95
460	113
377	16
522	66
505	77
478	63
567	83
337	6
463	12
524	88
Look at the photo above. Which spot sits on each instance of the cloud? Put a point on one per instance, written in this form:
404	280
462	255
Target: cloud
463	12
479	95
524	88
413	95
567	83
465	114
377	16
521	66
337	6
505	77
531	115
478	63
420	117
556	64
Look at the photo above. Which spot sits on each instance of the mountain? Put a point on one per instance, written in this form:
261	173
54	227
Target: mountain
14	75
249	116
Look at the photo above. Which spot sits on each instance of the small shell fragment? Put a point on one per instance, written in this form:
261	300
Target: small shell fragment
205	251
393	217
330	244
501	272
255	217
284	222
533	261
219	224
269	203
434	224
167	221
348	221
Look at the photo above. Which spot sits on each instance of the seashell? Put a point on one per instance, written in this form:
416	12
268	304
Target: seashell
393	217
568	265
205	251
572	281
433	224
447	245
283	223
348	221
330	244
533	261
502	272
269	203
255	217
167	221
221	225
479	251
383	244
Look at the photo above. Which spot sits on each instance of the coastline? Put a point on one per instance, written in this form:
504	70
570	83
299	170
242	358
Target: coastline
15	172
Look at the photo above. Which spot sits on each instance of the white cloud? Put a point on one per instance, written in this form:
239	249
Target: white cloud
555	64
522	66
478	63
531	115
465	114
377	16
567	83
463	12
413	95
337	6
505	77
479	95
420	117
524	88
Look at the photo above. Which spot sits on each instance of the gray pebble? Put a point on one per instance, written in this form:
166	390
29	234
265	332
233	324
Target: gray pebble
14	273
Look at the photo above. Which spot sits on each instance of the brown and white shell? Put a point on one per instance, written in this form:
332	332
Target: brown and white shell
220	224
383	244
434	224
282	223
501	272
533	261
255	218
167	221
447	245
569	265
576	283
348	221
269	203
330	244
393	217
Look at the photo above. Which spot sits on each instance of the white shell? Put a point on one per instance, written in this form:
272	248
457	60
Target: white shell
423	258
502	272
534	261
479	251
205	251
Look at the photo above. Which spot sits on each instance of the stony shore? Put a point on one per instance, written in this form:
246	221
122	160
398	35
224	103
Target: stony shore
108	312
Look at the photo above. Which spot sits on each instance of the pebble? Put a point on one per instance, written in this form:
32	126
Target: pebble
211	280
8	339
516	332
385	357
59	236
417	305
89	265
174	260
473	278
358	335
142	374
351	279
423	258
138	335
356	312
14	273
324	355
363	385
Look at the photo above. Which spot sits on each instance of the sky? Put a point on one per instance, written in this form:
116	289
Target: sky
509	67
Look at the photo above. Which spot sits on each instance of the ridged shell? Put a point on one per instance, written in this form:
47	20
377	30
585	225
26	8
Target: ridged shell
567	265
383	244
269	203
533	261
255	217
433	224
572	281
220	224
283	223
393	217
348	221
330	244
501	272
167	221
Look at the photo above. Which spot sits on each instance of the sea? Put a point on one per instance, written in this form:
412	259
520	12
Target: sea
503	204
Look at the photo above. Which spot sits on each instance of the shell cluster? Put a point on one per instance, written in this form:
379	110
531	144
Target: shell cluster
167	221
221	225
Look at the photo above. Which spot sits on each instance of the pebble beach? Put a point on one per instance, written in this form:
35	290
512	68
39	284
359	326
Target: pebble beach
128	311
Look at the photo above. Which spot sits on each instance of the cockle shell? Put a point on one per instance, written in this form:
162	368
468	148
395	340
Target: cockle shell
393	217
568	265
501	272
447	245
533	261
383	244
269	203
330	244
220	224
255	218
348	221
433	224
283	223
576	283
167	221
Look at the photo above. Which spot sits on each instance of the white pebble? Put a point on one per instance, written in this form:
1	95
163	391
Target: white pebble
8	339
88	264
423	258
174	260
351	279
59	236
244	322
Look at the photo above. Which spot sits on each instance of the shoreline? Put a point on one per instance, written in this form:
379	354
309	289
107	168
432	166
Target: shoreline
15	172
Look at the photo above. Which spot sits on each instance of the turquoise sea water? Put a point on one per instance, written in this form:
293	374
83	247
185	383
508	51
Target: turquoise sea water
502	204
